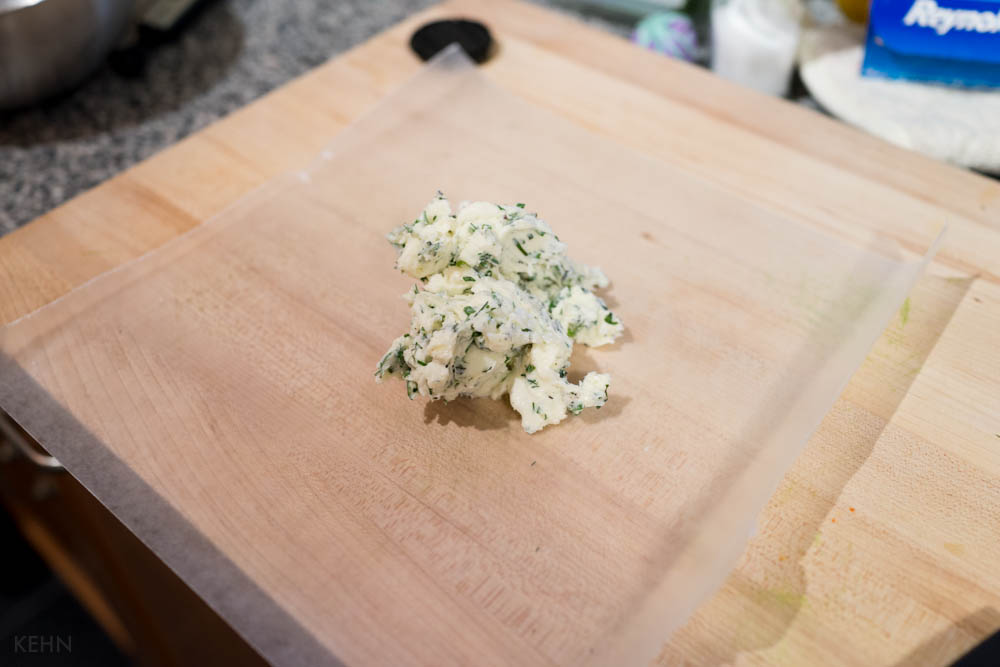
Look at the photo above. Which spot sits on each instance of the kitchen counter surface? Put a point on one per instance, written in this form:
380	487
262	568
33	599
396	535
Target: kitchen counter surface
231	52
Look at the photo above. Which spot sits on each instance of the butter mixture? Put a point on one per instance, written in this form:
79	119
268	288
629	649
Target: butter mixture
497	310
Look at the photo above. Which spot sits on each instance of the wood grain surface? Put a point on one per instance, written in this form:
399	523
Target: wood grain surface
881	543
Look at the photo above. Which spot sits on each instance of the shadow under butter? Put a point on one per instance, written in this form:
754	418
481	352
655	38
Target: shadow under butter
481	414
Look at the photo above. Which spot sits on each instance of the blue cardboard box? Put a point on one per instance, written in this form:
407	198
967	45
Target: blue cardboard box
954	42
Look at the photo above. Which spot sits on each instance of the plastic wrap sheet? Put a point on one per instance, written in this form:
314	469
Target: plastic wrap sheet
218	396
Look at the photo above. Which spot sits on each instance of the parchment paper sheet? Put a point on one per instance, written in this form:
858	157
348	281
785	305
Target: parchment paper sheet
217	396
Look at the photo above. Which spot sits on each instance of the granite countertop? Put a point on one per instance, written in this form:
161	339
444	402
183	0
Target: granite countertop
228	54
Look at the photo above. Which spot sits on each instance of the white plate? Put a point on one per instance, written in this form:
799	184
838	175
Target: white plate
951	124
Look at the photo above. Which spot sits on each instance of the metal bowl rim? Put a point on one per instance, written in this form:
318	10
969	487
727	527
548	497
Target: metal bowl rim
7	6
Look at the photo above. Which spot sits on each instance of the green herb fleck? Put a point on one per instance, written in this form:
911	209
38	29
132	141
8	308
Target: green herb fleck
468	279
469	310
610	319
485	259
519	204
518	244
529	368
571	331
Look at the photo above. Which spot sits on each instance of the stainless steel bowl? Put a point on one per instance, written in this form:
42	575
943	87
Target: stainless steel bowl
48	46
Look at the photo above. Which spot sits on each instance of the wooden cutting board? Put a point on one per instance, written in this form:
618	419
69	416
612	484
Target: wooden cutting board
880	546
